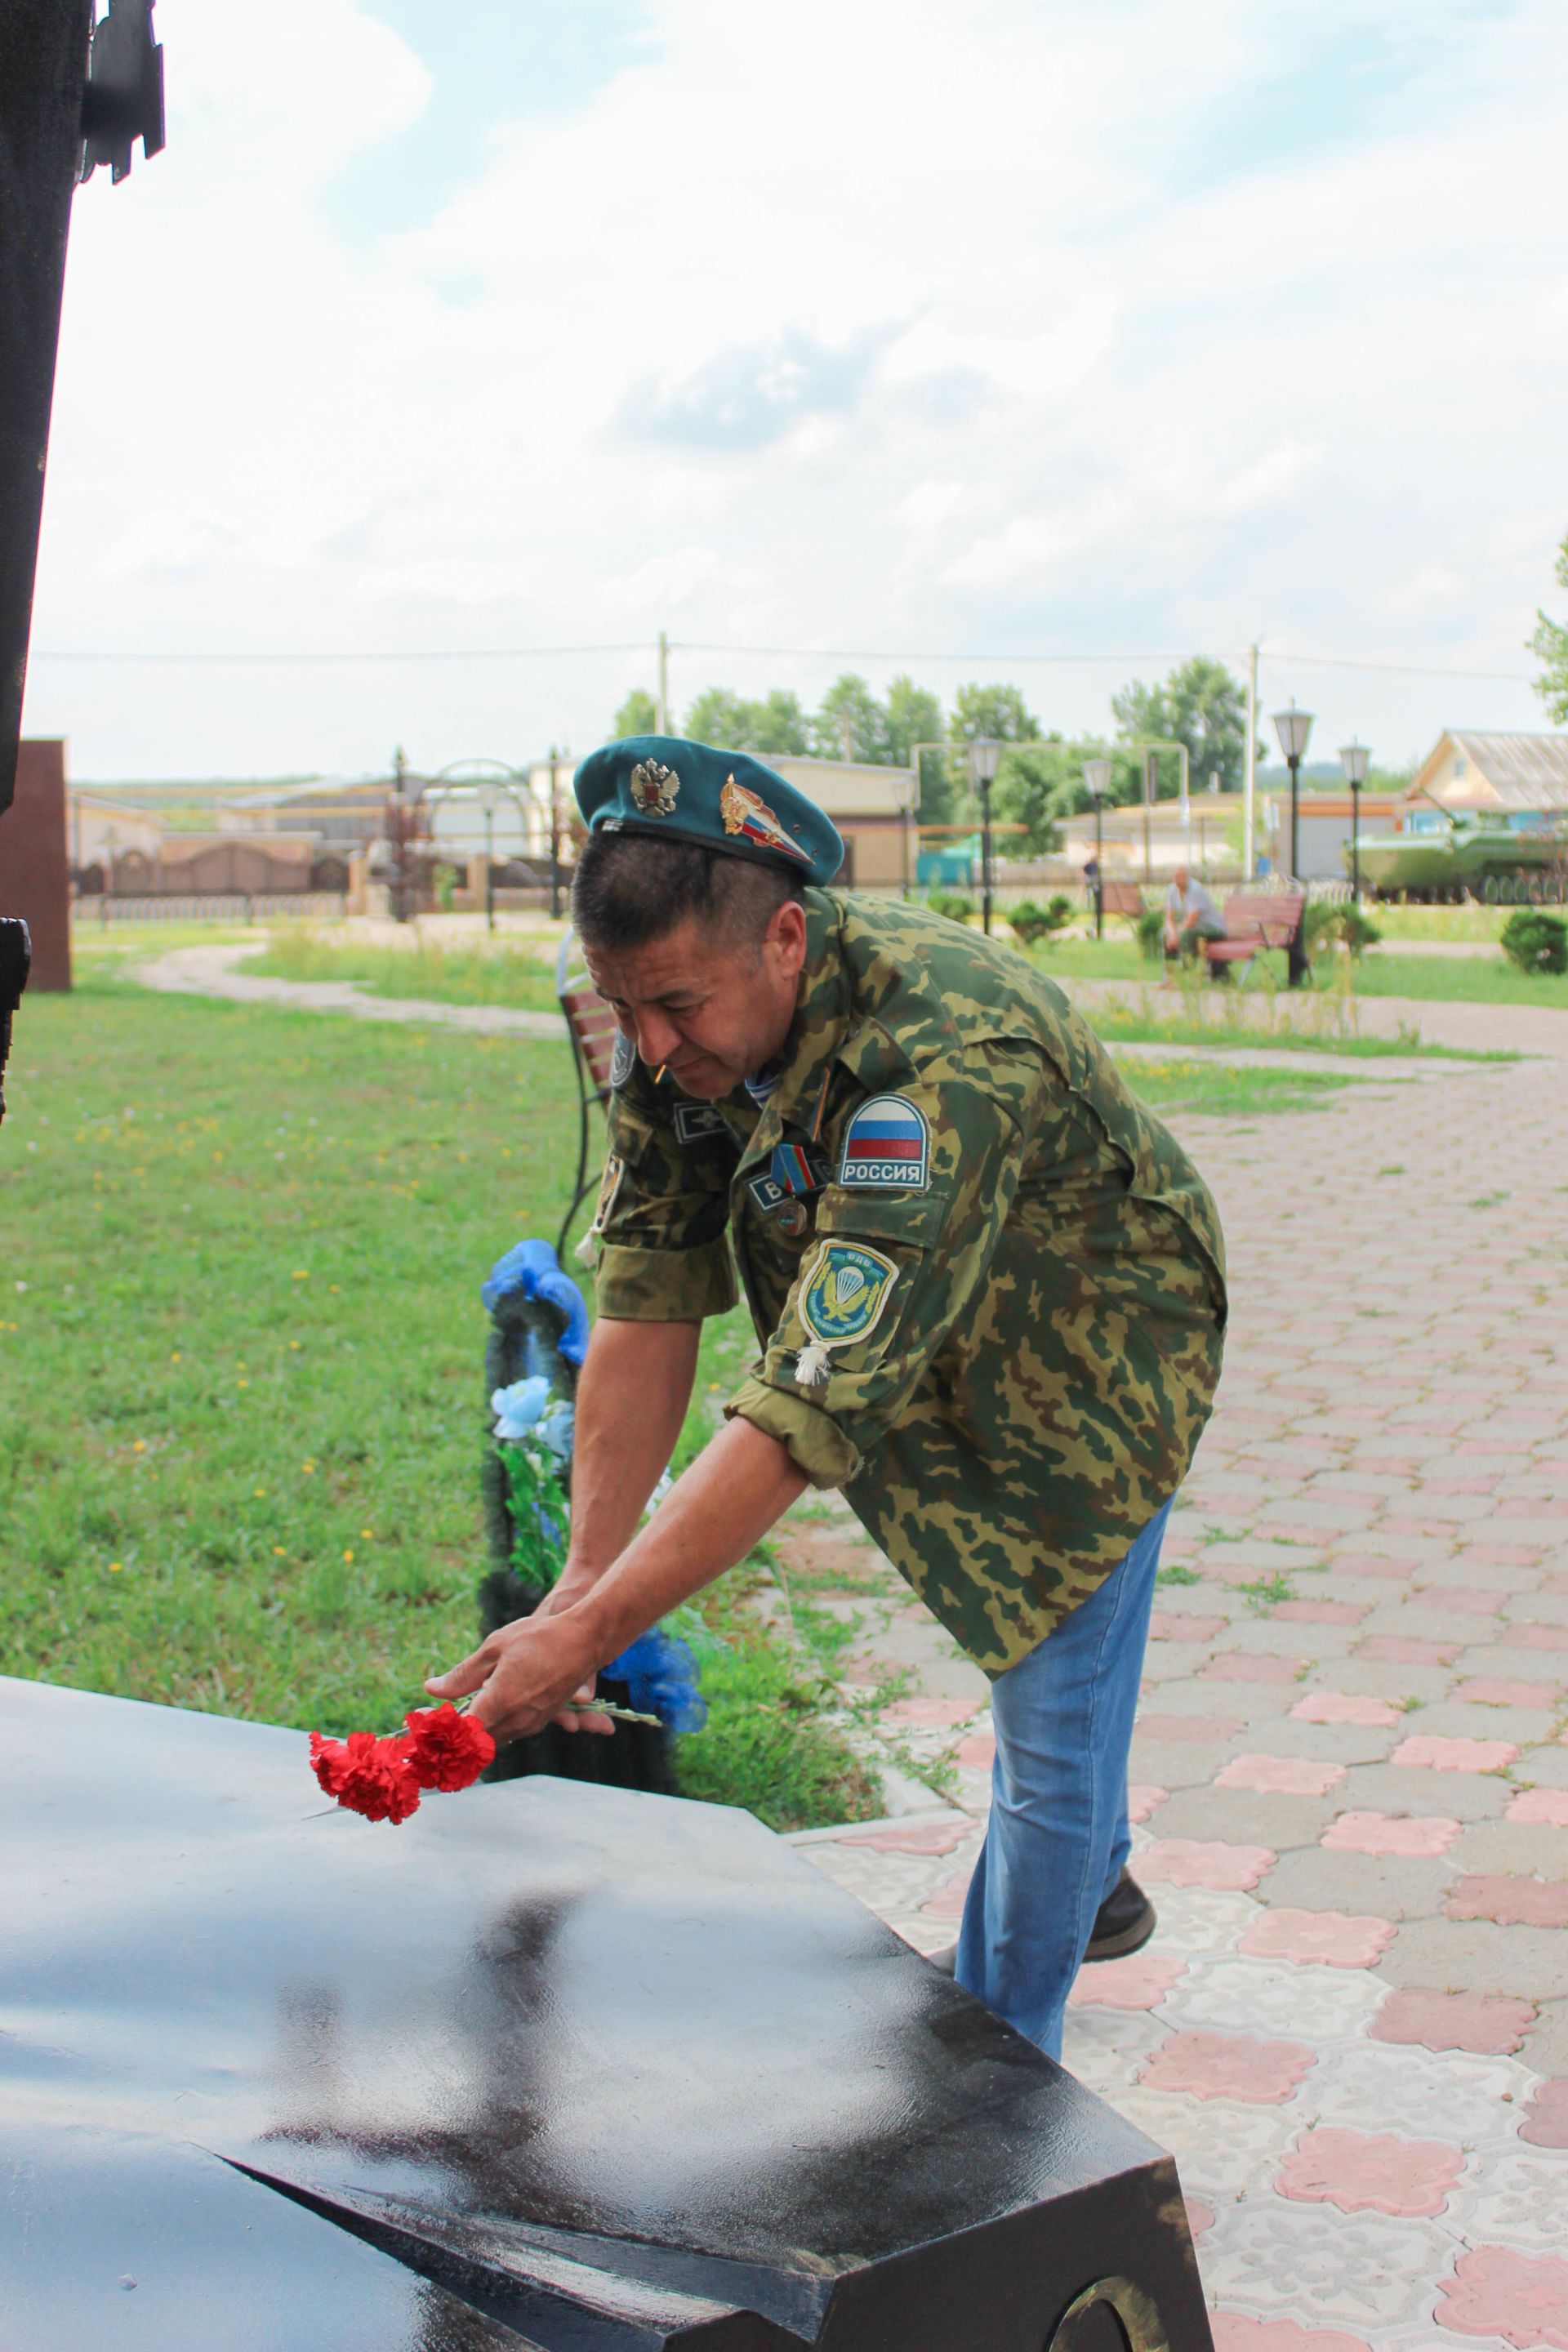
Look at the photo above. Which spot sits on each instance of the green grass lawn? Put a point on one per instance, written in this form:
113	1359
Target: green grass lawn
1438	979
1223	1092
241	1403
484	973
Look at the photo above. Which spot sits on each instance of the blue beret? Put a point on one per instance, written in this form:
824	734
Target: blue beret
677	791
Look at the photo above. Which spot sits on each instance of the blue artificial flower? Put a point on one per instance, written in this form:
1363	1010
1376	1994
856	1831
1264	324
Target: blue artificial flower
533	1268
558	1429
520	1406
662	1674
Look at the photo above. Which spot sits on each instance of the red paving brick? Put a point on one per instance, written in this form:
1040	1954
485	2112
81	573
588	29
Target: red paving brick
1251	1667
1511	1902
1486	1690
1537	1637
1454	2020
1524	2298
1363	2172
1399	1649
1228	2066
1545	2123
1195	1728
1170	1625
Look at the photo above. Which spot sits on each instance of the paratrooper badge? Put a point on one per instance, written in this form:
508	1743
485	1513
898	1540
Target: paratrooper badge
748	814
623	1061
654	788
841	1300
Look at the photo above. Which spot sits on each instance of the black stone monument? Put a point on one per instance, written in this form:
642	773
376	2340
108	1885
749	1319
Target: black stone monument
551	2064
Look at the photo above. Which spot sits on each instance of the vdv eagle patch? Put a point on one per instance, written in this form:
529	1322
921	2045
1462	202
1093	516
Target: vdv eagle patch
888	1142
841	1300
623	1061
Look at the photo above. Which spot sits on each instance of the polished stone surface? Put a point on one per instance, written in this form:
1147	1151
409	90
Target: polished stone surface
575	2066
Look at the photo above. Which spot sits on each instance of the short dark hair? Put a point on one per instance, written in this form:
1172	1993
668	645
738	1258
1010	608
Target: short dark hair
630	888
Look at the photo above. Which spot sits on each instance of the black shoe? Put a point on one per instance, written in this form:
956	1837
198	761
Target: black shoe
1124	1922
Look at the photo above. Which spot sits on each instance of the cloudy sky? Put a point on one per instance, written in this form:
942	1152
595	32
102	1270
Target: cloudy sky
947	339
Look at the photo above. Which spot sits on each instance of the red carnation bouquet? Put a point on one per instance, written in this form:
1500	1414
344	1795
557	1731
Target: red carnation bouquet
385	1778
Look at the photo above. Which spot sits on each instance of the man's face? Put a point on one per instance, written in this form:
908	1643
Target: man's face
1181	878
712	1010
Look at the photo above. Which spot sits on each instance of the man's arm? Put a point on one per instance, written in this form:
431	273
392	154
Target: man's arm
526	1673
631	1402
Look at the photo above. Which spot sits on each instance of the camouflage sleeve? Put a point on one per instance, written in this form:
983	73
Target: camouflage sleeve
895	1276
663	1219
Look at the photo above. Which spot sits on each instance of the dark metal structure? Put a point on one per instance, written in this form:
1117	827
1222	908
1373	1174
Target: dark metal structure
553	2066
72	96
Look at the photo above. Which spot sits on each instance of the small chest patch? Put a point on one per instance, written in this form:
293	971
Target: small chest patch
841	1300
623	1061
696	1121
886	1142
799	1168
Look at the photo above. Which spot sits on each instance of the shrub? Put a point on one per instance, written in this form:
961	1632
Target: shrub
1151	930
957	908
1358	931
1030	922
1536	942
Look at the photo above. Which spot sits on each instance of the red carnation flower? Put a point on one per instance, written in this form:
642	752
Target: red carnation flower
366	1775
445	1750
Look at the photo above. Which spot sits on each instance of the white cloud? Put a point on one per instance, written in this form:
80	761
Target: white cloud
901	327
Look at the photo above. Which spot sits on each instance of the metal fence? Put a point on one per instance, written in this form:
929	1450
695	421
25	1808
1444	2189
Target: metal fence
317	906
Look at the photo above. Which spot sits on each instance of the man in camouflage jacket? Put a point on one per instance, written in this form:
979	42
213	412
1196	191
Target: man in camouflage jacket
988	1290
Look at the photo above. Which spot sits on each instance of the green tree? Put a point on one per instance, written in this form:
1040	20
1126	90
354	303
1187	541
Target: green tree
851	723
773	727
1551	642
999	711
780	726
1200	705
639	714
915	717
1033	789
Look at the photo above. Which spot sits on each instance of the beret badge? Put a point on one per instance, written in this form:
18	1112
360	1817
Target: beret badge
748	814
654	788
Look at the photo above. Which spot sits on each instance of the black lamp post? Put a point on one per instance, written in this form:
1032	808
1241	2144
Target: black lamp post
1293	727
1096	779
1354	758
985	759
487	799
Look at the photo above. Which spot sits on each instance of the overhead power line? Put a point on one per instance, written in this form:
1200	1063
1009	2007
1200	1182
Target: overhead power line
993	658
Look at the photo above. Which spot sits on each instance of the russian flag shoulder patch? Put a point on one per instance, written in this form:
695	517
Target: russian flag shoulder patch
886	1143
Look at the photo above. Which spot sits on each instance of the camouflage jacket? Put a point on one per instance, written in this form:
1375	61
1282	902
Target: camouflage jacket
997	1322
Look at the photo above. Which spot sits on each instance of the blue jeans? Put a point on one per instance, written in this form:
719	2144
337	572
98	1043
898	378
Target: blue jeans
1058	1835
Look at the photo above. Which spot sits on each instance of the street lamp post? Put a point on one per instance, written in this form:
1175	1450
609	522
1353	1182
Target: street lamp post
905	793
1096	778
1354	758
1293	727
486	796
984	757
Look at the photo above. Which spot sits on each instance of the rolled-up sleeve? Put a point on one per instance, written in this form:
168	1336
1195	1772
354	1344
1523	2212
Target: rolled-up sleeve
663	1224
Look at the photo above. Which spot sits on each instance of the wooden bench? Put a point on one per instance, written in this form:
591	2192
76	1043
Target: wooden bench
1254	921
1122	898
591	1025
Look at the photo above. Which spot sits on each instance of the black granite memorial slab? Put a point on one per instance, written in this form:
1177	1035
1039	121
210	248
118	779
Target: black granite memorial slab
550	2063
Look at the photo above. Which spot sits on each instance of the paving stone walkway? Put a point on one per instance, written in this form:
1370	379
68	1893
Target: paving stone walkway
1352	1754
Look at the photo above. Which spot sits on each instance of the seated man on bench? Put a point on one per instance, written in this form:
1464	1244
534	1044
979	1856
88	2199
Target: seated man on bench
1191	916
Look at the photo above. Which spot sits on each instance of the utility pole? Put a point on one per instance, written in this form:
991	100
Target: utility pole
555	824
1151	792
663	685
1249	787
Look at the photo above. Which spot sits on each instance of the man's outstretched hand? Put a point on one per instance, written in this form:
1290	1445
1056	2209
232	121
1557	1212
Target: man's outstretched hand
536	1671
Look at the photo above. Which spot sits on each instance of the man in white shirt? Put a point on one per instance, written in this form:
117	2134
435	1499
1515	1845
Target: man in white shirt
1191	916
